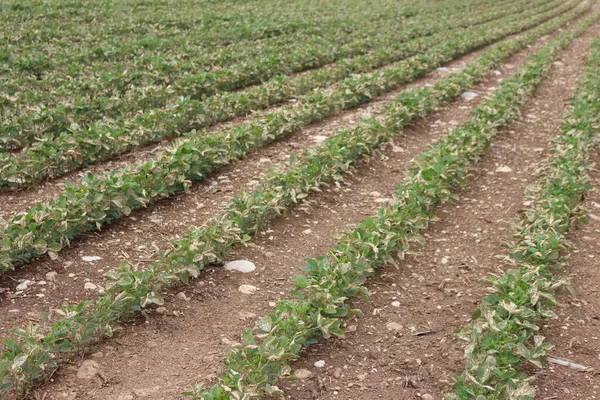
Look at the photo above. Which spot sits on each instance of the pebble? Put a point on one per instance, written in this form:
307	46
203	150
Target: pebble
91	258
302	373
504	169
182	296
468	95
88	369
90	286
395	304
382	200
319	138
320	364
443	69
397	149
394	326
125	397
426	397
337	373
51	275
444	260
244	266
247	289
161	310
307	231
246	314
23	286
375	194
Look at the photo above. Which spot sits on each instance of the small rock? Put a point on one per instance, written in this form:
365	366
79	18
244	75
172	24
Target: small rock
504	169
427	397
161	310
23	285
244	266
182	296
444	260
319	138
247	289
51	275
145	392
90	286
375	194
302	373
497	73
382	200
337	374
395	304
307	231
361	377
594	217
125	397
320	364
91	258
88	369
394	326
443	69
397	149
98	354
468	95
246	314
264	160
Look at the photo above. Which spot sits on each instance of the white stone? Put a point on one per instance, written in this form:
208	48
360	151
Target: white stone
247	289
88	369
240	265
395	304
394	326
468	95
51	275
91	258
319	138
23	286
302	373
320	364
90	286
504	169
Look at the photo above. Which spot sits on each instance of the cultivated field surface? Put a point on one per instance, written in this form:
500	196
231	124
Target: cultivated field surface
300	199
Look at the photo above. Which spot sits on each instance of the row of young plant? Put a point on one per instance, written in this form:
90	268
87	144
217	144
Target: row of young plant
130	288
318	303
196	24
52	157
49	226
119	50
505	335
68	110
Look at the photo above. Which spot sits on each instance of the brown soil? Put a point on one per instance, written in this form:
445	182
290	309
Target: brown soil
159	355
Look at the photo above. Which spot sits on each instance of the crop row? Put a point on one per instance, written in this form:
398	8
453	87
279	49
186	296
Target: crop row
318	304
505	335
48	227
77	110
131	288
52	157
119	43
296	25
